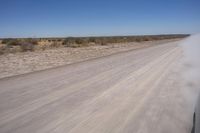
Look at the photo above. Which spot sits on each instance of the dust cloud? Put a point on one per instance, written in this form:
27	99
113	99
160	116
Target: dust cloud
191	74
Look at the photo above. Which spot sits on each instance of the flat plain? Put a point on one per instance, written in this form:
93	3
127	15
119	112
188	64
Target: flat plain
137	91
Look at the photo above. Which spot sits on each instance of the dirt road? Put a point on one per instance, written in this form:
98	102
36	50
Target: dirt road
131	92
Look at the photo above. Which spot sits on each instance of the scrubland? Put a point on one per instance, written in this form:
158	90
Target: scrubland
14	45
17	63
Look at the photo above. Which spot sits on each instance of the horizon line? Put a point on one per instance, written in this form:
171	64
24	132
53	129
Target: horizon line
97	36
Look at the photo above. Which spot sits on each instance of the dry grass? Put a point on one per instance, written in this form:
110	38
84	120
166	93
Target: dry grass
31	44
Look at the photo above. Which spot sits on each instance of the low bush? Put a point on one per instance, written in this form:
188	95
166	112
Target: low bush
26	46
32	41
11	43
55	45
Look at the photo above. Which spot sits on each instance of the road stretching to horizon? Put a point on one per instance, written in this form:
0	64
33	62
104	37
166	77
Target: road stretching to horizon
136	91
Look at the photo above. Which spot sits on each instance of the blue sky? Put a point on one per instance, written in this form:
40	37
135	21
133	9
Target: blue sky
62	18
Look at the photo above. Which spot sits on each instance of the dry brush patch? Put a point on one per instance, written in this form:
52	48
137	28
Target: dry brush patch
31	44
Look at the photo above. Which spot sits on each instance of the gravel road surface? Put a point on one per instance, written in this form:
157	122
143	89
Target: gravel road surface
138	91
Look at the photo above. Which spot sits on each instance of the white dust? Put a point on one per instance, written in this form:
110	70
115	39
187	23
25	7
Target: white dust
191	52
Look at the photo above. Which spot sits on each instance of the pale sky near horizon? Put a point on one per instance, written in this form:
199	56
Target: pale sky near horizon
62	18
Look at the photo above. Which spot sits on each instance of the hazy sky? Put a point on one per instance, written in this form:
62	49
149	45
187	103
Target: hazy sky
46	18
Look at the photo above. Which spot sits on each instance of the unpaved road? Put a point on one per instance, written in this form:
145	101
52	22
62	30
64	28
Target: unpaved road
131	92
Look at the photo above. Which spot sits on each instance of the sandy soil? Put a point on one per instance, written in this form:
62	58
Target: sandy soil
20	63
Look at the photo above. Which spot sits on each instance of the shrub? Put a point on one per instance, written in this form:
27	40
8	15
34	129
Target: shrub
11	43
32	41
5	41
80	41
138	39
25	46
55	45
91	39
76	42
104	41
68	41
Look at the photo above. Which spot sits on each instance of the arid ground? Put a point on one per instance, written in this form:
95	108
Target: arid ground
26	62
137	91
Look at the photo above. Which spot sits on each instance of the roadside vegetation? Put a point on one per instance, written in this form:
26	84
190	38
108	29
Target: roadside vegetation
11	45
